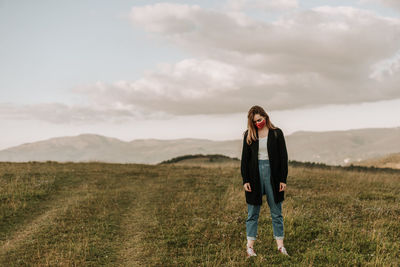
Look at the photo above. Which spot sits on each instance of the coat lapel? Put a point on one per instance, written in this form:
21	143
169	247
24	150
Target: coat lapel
269	140
256	143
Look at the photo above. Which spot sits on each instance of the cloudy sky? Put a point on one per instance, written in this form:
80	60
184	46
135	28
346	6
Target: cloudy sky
166	70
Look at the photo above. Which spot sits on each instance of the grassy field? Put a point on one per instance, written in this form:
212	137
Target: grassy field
91	214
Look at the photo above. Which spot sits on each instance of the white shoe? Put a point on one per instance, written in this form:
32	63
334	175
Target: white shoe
282	250
250	252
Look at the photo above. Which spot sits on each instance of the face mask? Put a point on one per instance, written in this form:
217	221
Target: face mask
260	124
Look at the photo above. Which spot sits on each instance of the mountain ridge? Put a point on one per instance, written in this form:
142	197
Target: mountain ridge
329	147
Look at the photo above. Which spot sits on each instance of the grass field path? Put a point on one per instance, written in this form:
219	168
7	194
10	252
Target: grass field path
54	207
135	221
169	201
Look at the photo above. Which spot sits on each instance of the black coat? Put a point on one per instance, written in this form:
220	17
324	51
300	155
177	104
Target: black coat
278	160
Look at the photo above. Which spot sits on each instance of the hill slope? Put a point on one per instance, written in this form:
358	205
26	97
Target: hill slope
389	161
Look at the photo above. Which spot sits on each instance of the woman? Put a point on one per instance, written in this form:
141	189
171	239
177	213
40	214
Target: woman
264	169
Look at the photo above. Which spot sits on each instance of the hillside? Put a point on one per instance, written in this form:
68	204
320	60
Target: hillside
215	160
389	161
343	147
92	147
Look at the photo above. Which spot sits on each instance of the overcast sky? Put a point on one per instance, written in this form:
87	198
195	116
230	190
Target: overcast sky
166	70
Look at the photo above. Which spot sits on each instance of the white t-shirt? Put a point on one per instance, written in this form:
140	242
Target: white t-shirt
262	148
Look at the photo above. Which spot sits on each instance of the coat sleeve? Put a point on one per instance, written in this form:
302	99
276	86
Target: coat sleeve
284	157
244	163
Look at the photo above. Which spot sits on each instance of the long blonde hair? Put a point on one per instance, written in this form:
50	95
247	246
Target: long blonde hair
252	135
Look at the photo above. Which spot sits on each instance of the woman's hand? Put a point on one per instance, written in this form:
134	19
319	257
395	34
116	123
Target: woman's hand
247	187
282	187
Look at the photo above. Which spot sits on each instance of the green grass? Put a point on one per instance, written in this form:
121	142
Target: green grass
96	214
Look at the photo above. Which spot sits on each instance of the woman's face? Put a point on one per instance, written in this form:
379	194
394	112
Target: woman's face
257	118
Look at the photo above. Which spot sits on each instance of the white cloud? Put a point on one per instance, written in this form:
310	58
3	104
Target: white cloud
166	17
387	68
276	5
392	3
325	55
191	86
59	113
395	4
321	56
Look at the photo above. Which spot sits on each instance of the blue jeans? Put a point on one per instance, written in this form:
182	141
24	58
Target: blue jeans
275	208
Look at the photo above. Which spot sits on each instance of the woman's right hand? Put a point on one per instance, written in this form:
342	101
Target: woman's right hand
247	187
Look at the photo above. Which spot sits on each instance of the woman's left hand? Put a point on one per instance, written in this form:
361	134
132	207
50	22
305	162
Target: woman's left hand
282	187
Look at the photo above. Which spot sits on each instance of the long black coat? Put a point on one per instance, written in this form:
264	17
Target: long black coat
278	160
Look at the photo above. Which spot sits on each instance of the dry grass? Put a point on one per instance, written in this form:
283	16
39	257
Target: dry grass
91	214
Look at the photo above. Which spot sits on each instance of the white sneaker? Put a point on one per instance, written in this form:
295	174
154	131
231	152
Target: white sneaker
282	250
250	252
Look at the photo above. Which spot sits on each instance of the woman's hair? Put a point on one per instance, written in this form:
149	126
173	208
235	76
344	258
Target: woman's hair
251	136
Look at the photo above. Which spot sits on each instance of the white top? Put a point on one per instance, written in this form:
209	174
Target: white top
262	148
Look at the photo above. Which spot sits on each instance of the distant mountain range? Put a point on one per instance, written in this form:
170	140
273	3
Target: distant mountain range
331	147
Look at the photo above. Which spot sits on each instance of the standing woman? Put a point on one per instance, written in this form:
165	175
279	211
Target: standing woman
264	169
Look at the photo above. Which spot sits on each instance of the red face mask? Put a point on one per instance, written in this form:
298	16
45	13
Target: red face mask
260	124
